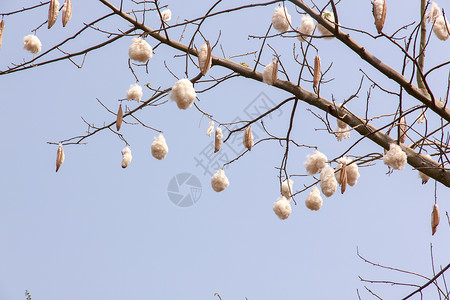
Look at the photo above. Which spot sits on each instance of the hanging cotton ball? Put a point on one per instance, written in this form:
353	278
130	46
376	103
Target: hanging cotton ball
270	73
219	181
183	93
205	58
328	183
126	157
395	157
434	13
281	19
140	50
287	188
2	28
314	200
166	15
60	156
134	92
351	170
306	28
403	128
66	12
379	14
53	11
315	162
282	208
248	138
424	176
327	16
440	28
159	147
210	128
32	43
218	140
422	117
435	218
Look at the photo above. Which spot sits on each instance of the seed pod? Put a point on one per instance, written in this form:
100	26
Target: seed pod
119	117
270	73
2	27
379	14
210	129
317	74
343	178
248	138
126	157
422	117
218	140
204	58
59	157
53	11
403	128
435	218
66	12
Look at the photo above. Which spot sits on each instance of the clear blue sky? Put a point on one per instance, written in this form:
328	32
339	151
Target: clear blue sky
97	231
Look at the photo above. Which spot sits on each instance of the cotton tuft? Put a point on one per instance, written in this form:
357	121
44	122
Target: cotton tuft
218	139
307	28
140	50
395	157
166	15
423	176
329	16
205	58
351	169
135	92
126	157
270	73
281	19
287	188
315	162
440	28
328	182
183	93
210	128
434	13
32	43
219	181
159	147
314	200
282	208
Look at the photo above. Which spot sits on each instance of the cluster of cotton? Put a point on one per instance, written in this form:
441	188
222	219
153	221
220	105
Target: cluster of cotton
210	128
379	14
66	12
315	162
435	218
287	188
305	29
140	50
183	93
281	19
342	131
270	73
424	176
166	15
327	16
219	181
159	147
205	58
248	138
53	11
282	208
32	43
126	157
218	139
314	200
60	156
328	183
135	92
395	157
351	170
441	26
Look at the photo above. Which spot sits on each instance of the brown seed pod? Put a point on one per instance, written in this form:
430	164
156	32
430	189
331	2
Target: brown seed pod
2	27
343	177
316	78
119	117
435	218
66	12
218	140
403	127
248	138
204	59
275	71
379	14
59	157
53	11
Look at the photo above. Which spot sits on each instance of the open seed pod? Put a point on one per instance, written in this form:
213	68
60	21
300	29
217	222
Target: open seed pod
317	70
66	12
343	177
59	157
248	138
435	218
53	11
204	58
403	127
379	14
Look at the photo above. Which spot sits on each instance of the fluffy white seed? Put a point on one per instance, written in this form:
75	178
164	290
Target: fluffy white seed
440	28
32	43
183	93
315	162
205	58
434	13
159	147
306	28
60	156
218	139
126	157
210	128
53	11
281	19
135	92
395	157
219	181
351	170
287	188
166	15
282	208
379	14
328	16
435	218
140	50
423	176
66	12
328	183
314	200
270	73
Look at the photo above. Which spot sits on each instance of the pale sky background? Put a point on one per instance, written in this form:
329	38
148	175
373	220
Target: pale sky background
97	231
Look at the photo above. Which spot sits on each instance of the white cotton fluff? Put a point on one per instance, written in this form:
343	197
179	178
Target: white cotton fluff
135	92
183	93
166	15
342	133
424	176
204	61
140	50
434	13
282	208
219	181
159	147
378	11
32	43
351	169
395	157
315	162
307	28
328	182
281	19
314	200
270	73
210	128
326	15
126	157
440	28
287	188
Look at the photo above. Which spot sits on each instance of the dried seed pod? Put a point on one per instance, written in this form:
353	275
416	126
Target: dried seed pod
205	58
119	117
379	14
126	157
210	128
248	138
270	73
435	218
317	67
59	157
53	11
403	128
218	140
343	177
2	27
66	12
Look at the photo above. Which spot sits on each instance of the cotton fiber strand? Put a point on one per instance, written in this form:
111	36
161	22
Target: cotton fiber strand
307	28
140	50
32	43
135	92
159	147
379	14
126	157
351	170
314	200
395	157
315	162
205	58
219	181
281	19
328	16
328	183
271	73
287	188
423	176
210	128
282	208
183	93
440	28
166	15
